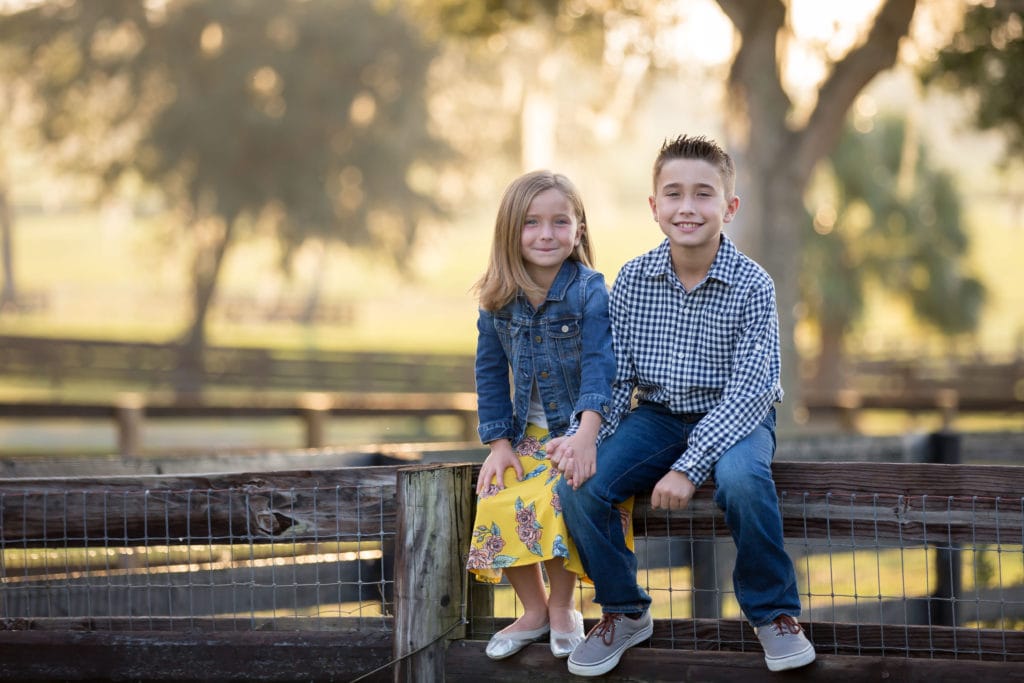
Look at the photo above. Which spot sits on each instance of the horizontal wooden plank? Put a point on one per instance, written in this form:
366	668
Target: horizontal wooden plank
172	656
891	502
466	662
338	504
884	502
383	404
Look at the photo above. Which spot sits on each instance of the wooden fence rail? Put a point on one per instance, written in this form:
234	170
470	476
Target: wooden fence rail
946	385
428	508
129	412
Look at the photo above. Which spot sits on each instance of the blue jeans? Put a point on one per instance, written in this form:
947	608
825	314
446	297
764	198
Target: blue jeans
632	460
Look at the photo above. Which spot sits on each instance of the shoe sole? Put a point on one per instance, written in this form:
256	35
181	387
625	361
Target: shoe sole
793	661
606	665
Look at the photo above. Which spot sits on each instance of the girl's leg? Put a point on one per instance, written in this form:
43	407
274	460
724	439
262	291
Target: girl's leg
528	584
562	599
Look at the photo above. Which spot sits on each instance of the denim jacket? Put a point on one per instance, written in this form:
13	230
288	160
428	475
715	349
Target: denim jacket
566	344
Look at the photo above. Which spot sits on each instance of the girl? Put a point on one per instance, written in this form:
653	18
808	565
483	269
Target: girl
544	367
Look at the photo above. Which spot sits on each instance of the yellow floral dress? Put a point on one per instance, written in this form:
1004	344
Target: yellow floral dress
522	524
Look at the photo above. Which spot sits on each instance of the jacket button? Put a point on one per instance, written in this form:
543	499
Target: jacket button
544	374
537	339
552	405
565	328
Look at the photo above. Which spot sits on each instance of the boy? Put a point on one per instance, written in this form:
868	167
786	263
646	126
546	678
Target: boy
695	330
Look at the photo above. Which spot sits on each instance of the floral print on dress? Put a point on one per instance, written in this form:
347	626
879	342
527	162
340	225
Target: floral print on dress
559	548
488	554
527	527
532	446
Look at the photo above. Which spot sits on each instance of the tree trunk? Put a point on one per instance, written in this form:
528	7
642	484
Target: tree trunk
212	244
776	157
9	296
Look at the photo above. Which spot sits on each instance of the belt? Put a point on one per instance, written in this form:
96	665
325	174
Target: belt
688	418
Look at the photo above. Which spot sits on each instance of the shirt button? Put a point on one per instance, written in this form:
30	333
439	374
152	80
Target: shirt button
565	328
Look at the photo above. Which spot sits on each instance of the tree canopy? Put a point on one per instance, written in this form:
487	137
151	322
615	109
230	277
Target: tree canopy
986	61
308	117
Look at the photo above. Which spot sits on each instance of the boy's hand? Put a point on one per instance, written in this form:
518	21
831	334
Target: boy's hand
500	459
673	492
581	459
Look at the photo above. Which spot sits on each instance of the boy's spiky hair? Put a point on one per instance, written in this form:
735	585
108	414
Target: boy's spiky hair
697	147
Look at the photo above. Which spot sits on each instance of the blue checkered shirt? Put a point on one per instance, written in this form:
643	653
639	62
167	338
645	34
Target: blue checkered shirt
711	350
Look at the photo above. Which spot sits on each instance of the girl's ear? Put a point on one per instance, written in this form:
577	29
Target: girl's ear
579	233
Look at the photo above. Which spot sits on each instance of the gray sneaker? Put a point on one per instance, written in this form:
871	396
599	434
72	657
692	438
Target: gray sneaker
785	645
606	642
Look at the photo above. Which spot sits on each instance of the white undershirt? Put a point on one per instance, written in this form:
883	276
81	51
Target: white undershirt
536	413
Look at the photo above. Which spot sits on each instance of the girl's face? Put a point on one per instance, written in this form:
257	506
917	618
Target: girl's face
551	230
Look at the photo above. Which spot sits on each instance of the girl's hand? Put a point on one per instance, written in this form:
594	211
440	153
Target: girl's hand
555	448
500	459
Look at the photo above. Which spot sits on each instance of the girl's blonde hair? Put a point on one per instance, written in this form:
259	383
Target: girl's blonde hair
506	274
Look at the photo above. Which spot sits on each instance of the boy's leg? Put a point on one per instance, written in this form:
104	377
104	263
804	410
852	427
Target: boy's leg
631	460
764	578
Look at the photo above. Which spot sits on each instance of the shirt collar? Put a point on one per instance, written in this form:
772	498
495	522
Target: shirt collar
722	268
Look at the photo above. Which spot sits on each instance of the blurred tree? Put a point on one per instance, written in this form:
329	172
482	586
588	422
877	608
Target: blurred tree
526	50
986	60
777	148
893	221
307	117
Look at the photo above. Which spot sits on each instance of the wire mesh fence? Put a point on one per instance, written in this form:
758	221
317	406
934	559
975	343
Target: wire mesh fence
240	557
881	571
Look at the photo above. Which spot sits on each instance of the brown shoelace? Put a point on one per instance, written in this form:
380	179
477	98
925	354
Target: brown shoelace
605	628
786	624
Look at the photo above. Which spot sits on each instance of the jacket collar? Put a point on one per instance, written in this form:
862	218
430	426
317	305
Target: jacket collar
566	275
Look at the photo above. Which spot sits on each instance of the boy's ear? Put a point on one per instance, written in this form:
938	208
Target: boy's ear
654	207
731	208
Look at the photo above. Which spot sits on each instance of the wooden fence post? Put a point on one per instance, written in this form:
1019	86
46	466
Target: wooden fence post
315	412
130	410
944	449
434	504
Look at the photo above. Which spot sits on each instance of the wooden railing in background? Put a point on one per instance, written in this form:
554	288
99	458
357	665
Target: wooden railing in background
966	383
151	366
129	412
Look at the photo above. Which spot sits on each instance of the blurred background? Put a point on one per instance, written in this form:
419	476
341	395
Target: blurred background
232	203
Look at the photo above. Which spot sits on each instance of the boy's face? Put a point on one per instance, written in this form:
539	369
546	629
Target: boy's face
690	205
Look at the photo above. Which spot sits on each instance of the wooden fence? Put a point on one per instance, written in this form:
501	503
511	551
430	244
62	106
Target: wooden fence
437	624
150	366
128	413
943	384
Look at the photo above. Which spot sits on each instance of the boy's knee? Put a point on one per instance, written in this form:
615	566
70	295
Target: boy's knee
742	481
